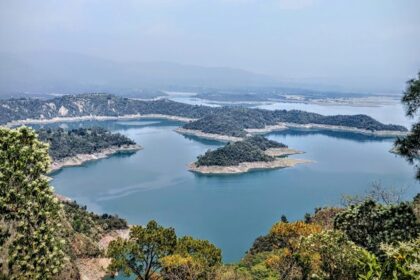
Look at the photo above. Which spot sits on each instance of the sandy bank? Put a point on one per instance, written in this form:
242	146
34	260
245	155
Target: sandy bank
279	152
247	166
210	136
82	158
266	129
97	118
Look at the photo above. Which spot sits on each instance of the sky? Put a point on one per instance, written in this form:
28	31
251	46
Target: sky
354	45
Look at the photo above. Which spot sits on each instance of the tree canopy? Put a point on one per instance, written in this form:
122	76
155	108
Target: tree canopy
409	146
28	207
154	252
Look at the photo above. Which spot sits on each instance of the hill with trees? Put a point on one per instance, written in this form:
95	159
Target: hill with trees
69	143
249	150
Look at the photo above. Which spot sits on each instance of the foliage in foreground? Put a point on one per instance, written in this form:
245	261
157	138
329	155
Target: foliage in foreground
370	224
28	208
409	146
154	251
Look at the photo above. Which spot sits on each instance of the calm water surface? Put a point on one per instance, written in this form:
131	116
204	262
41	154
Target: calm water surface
230	211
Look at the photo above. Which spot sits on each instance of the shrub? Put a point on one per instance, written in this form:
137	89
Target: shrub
369	224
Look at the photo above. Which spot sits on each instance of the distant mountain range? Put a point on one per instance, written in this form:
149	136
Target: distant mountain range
58	72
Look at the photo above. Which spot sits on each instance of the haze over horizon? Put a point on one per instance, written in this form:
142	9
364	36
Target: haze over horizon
361	46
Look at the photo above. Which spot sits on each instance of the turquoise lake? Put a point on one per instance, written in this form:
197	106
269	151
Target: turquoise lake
230	211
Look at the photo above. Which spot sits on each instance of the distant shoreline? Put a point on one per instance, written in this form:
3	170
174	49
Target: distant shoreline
80	159
97	118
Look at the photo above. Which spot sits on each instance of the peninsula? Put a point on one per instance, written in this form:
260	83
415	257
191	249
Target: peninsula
256	152
77	146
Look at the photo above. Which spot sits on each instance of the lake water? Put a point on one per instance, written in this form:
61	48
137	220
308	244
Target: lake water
230	211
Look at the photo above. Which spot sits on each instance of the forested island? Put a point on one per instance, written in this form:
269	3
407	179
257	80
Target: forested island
76	146
227	121
256	152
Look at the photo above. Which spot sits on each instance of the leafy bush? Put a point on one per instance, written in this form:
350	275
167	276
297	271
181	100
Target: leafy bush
28	205
330	255
89	223
369	224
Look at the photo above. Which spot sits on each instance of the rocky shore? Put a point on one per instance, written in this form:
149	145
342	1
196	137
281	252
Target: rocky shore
82	158
97	118
247	166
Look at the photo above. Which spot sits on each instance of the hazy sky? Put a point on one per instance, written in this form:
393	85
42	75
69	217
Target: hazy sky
355	45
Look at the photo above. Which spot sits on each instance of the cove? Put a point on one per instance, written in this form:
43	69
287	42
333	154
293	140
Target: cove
230	210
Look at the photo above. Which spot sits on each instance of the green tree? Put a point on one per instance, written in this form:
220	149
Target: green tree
369	224
331	255
409	146
28	207
202	250
141	254
193	259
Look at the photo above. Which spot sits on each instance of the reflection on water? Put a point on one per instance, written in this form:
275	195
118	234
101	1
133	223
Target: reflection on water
230	211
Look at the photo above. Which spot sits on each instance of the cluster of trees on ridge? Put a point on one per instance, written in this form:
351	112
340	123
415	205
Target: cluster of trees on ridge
67	143
251	149
221	120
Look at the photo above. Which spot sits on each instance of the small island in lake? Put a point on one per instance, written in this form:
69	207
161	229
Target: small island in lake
256	152
77	146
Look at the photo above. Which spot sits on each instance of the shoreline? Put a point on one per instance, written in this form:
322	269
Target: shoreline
210	136
281	152
80	159
246	166
383	133
97	118
284	125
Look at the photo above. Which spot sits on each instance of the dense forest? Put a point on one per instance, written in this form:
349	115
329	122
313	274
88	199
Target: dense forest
221	120
68	143
251	149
